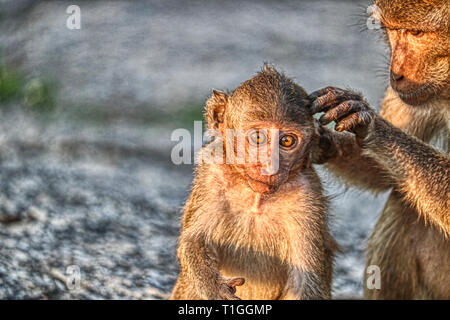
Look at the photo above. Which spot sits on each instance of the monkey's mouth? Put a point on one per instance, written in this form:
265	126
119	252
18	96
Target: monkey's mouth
264	184
420	94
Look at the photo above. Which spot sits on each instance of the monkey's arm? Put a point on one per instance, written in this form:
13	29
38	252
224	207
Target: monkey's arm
199	270
417	170
200	277
420	172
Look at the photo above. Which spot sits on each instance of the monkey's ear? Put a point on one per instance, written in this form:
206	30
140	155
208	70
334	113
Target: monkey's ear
215	109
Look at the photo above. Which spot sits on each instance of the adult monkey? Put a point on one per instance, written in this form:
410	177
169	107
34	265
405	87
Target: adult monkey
393	150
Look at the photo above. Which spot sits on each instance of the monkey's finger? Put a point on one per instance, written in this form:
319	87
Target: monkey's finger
319	128
314	95
230	296
332	99
324	134
338	91
348	123
236	282
354	120
228	293
341	111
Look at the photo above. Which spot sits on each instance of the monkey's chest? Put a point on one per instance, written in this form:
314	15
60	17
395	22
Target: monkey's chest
265	275
257	249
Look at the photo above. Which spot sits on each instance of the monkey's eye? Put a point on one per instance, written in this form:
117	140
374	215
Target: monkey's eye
258	137
287	141
416	33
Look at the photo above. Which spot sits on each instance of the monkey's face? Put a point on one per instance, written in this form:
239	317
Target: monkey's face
419	38
267	128
419	65
271	154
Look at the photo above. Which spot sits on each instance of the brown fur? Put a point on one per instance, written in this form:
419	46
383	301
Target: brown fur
411	240
280	246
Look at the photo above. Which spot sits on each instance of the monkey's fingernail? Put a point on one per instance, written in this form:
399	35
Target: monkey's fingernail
237	282
339	128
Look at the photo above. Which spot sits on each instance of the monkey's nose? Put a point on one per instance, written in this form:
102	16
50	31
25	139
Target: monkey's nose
396	77
269	168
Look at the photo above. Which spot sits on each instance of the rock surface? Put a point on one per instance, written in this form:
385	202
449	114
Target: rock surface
103	200
111	208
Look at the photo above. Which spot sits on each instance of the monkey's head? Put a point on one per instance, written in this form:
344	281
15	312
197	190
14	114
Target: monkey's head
418	33
266	127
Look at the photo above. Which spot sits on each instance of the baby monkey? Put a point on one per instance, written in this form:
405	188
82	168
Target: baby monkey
255	224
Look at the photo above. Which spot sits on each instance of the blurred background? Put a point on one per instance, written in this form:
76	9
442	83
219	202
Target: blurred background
86	179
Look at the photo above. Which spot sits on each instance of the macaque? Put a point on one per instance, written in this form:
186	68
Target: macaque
255	226
403	149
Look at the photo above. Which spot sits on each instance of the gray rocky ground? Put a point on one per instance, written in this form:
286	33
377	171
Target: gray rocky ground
104	195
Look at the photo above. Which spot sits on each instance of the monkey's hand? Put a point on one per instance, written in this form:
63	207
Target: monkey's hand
227	288
347	108
331	144
325	147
